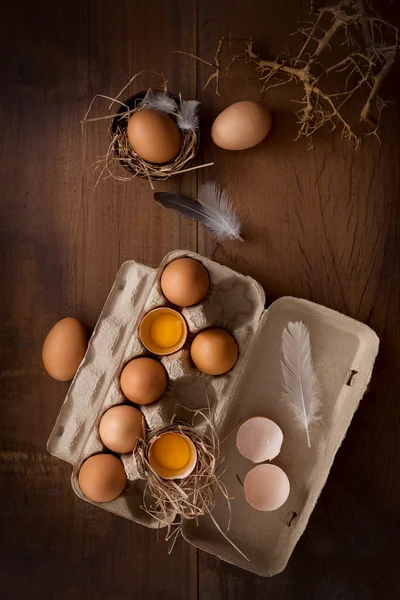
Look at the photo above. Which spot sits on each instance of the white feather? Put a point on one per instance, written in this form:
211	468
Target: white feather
221	218
159	101
188	117
302	389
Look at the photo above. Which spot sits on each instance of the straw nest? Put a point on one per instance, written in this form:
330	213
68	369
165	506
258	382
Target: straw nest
171	502
134	163
120	152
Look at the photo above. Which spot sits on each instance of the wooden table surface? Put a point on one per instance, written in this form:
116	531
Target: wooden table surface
320	224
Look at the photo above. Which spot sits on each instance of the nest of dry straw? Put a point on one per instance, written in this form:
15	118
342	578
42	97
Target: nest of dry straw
171	502
134	163
120	152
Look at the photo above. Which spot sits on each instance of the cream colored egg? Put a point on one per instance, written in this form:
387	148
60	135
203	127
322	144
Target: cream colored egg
242	125
266	487
259	439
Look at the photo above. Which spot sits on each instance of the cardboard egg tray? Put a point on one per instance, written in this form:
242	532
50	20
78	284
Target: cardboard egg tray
343	350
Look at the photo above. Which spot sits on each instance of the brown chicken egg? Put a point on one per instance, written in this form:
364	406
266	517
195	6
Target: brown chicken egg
154	136
64	348
185	282
259	439
266	487
120	428
143	380
214	351
102	478
242	125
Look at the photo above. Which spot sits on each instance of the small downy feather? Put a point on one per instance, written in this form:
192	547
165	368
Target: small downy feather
302	389
159	101
213	210
188	117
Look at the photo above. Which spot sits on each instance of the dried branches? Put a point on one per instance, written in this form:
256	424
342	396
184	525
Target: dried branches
368	45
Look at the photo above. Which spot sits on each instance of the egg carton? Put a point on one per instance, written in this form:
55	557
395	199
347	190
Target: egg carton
344	351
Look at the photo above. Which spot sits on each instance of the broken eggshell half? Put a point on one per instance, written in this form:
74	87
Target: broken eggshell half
266	487
259	439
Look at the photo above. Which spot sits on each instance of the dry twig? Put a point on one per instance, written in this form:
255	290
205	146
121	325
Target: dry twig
371	45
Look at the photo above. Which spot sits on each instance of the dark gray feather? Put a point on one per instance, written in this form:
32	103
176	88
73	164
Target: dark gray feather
184	206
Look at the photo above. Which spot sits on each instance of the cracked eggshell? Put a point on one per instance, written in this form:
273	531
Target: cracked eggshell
266	487
259	439
169	473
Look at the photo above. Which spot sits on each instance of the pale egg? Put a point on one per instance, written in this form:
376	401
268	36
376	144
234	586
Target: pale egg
266	487
259	439
242	125
214	351
185	282
172	455
154	136
120	428
102	478
64	349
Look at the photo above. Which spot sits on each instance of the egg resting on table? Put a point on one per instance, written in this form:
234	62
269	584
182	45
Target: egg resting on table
64	349
242	125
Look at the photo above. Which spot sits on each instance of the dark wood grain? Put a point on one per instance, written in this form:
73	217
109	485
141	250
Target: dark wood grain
321	224
62	244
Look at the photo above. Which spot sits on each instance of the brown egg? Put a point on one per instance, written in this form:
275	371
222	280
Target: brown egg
102	478
214	351
64	348
143	380
242	125
154	136
185	282
120	428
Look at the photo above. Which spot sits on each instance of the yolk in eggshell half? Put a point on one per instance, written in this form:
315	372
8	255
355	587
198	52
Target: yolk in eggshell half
171	451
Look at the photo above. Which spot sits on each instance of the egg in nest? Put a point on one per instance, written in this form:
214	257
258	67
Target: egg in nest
154	136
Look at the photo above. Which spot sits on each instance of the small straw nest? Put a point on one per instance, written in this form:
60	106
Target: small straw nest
171	502
134	163
120	152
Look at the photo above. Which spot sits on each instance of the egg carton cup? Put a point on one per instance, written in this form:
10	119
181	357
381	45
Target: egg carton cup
343	349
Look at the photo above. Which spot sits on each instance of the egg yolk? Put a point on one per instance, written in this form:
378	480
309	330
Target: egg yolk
166	331
171	451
